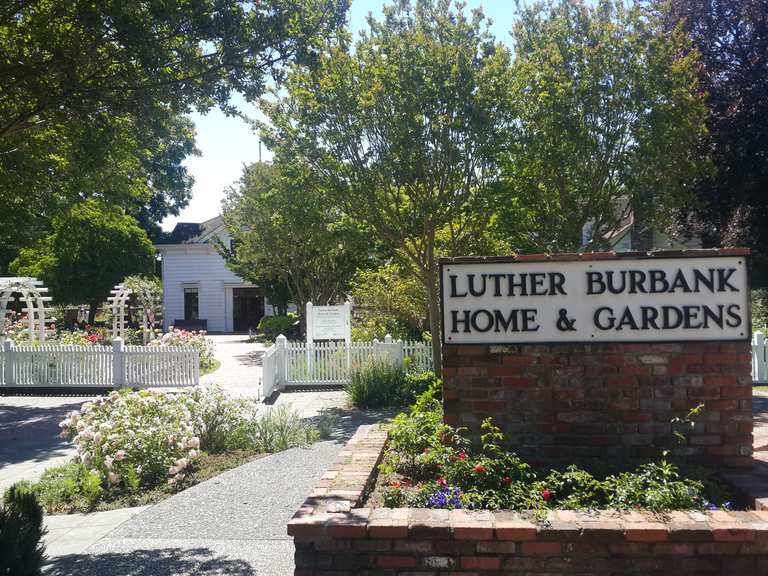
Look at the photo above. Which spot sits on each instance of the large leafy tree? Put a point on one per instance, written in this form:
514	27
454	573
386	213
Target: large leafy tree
731	37
287	232
608	119
91	95
402	130
92	247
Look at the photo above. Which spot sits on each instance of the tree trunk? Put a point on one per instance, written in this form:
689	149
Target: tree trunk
433	290
92	310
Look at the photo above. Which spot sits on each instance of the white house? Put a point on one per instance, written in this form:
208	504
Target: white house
199	291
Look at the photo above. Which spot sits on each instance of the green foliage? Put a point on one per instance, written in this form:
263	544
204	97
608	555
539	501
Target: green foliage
95	93
279	429
285	227
21	530
432	465
759	309
67	488
382	383
272	326
91	249
401	131
388	300
608	120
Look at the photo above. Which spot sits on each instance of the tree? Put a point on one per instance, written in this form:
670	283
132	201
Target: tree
608	120
93	246
731	37
285	229
402	130
93	92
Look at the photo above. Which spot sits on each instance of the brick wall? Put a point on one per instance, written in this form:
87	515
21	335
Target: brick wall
593	400
333	537
566	401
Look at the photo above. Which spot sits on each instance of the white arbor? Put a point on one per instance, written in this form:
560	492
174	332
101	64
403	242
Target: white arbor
119	302
31	292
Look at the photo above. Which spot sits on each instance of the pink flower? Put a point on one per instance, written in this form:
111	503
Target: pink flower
546	494
462	456
507	480
441	481
120	455
479	468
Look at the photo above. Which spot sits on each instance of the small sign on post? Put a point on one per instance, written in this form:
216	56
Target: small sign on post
329	323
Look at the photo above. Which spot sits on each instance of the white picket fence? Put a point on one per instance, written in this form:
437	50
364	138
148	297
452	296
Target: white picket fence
298	364
115	366
759	358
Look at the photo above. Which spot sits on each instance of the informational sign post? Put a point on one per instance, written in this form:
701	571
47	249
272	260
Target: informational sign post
507	301
329	322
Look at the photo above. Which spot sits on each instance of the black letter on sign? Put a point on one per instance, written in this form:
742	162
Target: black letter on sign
455	321
454	291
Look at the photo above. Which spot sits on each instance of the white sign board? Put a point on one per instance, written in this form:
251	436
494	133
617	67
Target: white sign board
655	299
328	322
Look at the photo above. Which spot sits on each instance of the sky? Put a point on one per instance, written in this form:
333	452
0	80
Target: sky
227	144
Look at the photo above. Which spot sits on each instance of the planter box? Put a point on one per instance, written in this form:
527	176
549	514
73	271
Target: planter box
334	536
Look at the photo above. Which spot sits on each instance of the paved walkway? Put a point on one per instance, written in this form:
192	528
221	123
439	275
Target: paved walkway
240	371
29	441
231	524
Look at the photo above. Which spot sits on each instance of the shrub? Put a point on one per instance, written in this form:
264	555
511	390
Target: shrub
191	338
382	383
219	420
21	532
434	465
69	487
279	429
133	438
272	326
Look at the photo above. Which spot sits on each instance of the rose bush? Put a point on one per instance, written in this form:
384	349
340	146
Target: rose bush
194	339
132	439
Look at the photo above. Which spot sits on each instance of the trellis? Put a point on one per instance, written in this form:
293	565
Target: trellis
32	292
119	302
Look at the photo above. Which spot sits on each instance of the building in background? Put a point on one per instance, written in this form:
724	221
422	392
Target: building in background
199	291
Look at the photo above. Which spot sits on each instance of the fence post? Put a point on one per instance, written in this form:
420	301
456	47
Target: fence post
759	357
391	351
9	357
118	362
281	361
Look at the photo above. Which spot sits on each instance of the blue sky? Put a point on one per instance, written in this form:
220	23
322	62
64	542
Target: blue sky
227	144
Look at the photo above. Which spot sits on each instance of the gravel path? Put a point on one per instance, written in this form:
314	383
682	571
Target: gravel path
232	524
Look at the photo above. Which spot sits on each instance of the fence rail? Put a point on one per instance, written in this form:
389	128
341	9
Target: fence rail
115	366
293	364
759	358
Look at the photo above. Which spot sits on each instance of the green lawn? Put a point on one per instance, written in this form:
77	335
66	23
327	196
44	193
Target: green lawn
212	368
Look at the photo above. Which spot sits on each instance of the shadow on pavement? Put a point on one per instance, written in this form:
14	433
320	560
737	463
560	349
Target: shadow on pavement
166	561
344	422
29	433
760	410
251	359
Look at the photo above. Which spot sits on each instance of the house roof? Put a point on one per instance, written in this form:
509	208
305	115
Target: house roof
194	232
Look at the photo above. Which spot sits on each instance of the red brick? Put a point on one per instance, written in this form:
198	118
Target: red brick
481	562
540	548
396	561
681	549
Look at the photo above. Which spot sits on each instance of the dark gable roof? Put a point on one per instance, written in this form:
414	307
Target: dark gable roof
192	232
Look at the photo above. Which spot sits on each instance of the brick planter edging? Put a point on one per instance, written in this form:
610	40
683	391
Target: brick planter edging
421	542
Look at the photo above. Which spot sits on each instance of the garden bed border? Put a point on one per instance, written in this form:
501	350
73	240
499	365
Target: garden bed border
333	536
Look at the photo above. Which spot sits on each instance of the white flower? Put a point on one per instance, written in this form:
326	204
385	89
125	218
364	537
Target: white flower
114	478
181	463
97	437
194	442
192	454
108	462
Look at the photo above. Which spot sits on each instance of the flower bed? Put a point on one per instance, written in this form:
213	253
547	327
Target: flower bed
429	464
133	443
333	535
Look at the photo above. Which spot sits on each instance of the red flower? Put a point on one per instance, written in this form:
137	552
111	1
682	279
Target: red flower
395	484
462	456
479	468
546	494
507	480
441	481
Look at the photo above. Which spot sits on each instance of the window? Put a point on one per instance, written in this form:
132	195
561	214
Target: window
190	304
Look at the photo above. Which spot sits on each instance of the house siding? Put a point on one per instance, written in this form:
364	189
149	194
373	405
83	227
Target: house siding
201	266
